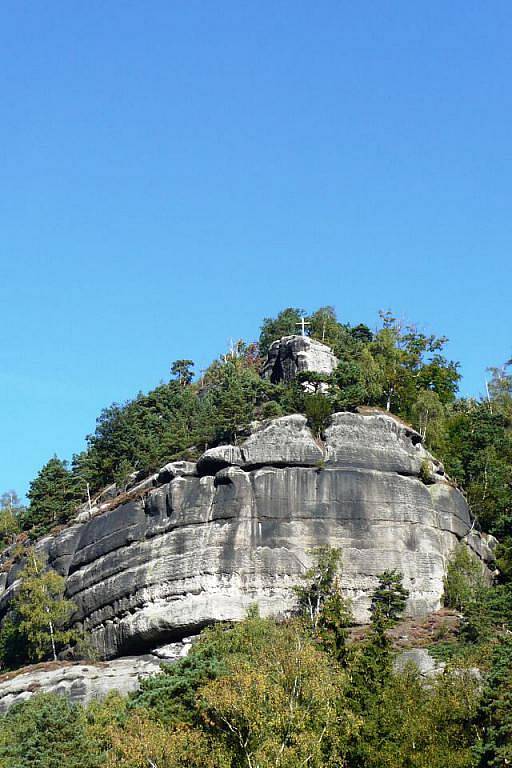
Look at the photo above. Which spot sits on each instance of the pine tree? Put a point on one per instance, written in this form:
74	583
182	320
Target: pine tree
388	601
182	370
53	496
495	716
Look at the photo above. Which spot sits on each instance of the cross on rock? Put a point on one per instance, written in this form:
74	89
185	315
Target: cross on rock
303	324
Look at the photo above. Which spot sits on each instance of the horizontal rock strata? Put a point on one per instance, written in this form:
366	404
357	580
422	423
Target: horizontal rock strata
202	543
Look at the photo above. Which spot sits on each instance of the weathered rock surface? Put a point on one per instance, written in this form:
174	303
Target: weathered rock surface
203	547
218	458
84	681
80	682
292	354
285	441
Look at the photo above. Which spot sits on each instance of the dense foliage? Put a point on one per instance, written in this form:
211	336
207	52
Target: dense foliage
234	704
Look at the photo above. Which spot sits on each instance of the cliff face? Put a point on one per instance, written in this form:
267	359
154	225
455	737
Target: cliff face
201	542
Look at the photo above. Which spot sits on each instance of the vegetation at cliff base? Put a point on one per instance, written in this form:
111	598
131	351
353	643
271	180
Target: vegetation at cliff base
265	693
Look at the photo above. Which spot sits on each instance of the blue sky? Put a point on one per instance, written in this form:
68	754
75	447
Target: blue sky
173	172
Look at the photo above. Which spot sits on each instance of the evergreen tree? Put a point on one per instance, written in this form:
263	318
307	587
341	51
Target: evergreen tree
182	370
388	602
53	497
318	409
47	731
494	749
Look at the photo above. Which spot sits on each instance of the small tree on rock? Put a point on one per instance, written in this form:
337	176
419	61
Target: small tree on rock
40	615
322	603
388	601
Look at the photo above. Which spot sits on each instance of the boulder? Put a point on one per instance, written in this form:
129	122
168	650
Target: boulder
176	469
286	441
293	354
217	458
81	682
421	660
374	441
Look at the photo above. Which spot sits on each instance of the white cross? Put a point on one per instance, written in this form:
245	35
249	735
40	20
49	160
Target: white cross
303	324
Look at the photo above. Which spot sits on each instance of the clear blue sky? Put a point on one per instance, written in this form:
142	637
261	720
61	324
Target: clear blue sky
172	172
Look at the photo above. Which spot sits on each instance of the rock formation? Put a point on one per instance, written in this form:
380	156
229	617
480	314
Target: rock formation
293	354
197	543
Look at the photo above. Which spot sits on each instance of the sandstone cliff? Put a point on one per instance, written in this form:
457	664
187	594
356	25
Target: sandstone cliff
197	543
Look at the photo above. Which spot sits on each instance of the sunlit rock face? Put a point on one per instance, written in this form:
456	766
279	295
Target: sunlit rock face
198	544
293	354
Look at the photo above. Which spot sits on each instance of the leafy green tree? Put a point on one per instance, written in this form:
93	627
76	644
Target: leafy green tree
464	582
322	604
417	725
142	742
285	707
40	614
478	454
500	390
325	327
428	416
410	362
11	514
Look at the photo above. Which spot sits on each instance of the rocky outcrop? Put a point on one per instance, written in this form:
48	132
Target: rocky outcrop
283	442
84	681
201	544
292	354
80	682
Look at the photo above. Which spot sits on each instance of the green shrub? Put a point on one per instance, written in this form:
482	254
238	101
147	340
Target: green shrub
464	582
